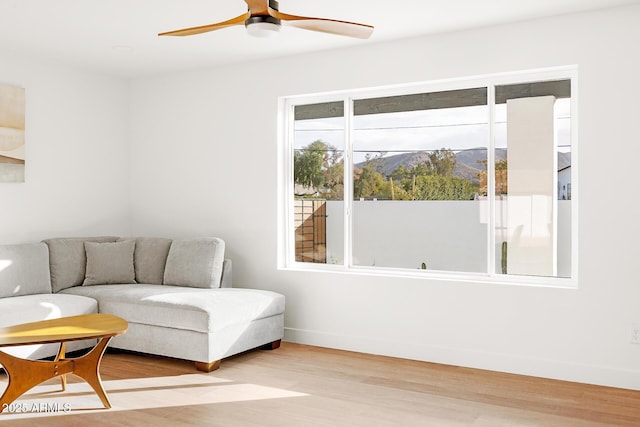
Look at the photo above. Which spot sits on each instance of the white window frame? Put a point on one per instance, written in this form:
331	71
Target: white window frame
286	242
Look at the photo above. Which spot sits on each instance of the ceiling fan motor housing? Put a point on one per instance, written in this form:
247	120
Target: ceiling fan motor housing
262	18
266	19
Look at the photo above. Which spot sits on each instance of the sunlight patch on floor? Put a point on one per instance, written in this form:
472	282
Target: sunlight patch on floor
140	393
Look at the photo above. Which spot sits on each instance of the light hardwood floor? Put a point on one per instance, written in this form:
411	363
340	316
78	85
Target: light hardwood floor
299	385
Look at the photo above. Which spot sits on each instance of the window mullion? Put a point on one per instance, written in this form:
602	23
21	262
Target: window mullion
491	180
348	183
289	250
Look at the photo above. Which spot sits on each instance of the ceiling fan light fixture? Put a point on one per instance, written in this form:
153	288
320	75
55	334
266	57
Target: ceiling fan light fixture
262	26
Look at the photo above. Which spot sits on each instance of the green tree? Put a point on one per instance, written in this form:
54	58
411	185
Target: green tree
401	173
369	183
315	165
399	192
501	182
438	187
431	180
442	161
334	181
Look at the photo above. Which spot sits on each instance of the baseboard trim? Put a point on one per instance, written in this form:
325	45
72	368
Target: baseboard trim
515	364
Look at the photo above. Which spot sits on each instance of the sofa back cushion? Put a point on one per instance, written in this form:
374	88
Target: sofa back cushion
196	263
67	260
24	270
149	258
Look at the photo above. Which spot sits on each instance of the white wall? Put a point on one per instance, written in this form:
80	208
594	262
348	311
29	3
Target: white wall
204	162
77	154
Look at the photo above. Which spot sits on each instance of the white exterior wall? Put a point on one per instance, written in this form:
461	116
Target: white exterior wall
204	156
532	181
446	235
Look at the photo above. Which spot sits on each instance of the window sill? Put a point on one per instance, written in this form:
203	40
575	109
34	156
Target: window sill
432	275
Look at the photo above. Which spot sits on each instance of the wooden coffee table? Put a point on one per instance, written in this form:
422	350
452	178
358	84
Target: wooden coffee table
25	374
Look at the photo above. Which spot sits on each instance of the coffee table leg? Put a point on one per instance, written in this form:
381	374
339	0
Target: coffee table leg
87	367
60	355
24	374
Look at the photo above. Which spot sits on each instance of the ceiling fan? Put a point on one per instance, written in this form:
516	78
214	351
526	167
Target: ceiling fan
263	19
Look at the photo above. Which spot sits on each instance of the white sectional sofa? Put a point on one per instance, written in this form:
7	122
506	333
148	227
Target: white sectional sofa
175	294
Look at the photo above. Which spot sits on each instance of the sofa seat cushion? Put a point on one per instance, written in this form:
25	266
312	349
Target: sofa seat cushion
33	308
195	309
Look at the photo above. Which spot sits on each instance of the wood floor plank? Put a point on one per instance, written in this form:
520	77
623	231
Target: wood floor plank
298	385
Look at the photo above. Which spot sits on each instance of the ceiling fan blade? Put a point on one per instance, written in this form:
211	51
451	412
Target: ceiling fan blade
331	26
238	20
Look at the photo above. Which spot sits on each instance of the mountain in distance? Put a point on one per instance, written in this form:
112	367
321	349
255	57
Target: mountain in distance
467	167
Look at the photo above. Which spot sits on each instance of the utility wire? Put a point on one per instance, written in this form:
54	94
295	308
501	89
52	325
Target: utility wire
412	127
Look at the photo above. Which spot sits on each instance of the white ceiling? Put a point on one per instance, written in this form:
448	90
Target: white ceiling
120	36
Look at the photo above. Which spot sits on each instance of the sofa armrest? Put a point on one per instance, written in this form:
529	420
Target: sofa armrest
227	277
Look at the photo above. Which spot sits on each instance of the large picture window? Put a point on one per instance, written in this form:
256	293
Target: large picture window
470	178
